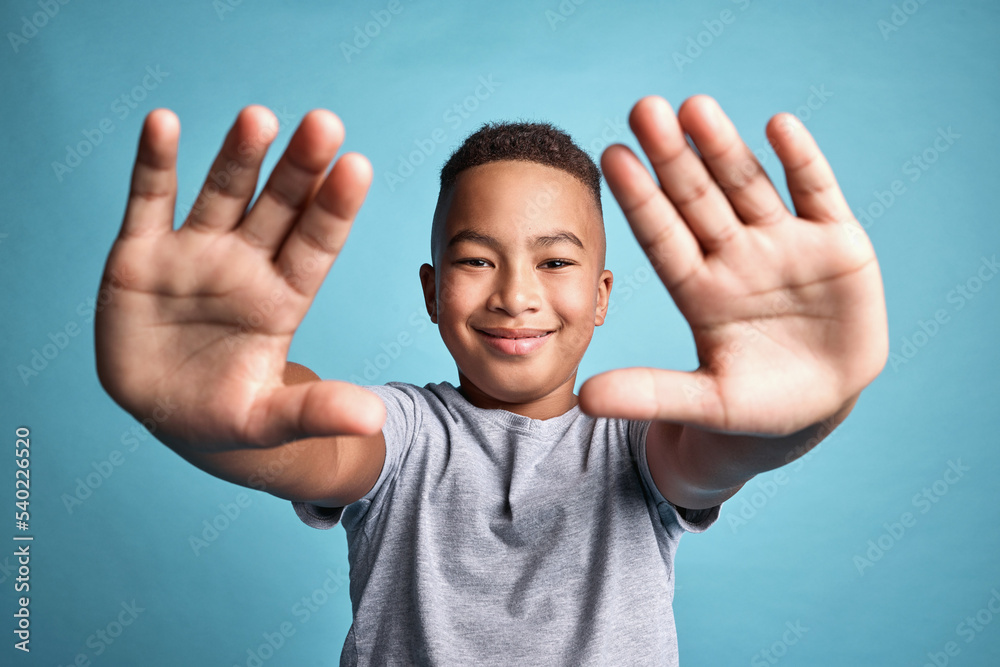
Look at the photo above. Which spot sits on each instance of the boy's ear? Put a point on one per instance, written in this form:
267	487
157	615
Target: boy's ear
603	296
427	284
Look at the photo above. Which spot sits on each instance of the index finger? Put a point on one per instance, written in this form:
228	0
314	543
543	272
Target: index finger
663	235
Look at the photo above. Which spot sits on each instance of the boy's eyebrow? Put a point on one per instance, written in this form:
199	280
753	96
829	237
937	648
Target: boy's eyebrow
473	236
558	237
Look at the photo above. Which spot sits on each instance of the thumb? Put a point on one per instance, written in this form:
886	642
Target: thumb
654	394
314	409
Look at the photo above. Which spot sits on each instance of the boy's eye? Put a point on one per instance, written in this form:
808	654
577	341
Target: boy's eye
482	263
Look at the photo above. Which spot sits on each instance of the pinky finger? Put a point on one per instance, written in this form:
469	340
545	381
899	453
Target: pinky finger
153	192
811	183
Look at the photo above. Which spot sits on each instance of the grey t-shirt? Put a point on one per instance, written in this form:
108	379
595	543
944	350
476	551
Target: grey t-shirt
491	538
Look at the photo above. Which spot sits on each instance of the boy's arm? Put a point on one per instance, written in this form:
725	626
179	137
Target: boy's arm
327	471
787	310
697	469
194	323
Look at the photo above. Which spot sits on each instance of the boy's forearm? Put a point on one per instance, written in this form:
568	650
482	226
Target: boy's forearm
720	461
312	469
290	471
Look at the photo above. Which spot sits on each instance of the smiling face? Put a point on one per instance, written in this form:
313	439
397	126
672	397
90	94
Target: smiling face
518	284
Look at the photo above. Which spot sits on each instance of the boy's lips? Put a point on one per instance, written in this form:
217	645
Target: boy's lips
514	341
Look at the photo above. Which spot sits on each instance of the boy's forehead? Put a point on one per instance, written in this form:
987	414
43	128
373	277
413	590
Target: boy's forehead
518	176
510	197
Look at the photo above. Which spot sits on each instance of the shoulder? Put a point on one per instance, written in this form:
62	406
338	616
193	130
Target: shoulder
440	392
438	401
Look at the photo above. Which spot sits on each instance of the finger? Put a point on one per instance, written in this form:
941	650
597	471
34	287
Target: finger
649	393
318	236
232	180
682	174
659	229
731	162
314	409
153	192
294	180
811	183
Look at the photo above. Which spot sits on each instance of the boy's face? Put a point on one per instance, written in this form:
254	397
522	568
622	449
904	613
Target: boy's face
519	283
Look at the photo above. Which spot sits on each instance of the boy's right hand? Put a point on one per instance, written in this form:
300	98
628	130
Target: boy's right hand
201	318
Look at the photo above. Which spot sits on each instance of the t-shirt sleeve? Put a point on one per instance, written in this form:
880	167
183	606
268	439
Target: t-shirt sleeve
398	431
692	521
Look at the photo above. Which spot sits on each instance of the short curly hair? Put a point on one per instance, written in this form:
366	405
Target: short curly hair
538	142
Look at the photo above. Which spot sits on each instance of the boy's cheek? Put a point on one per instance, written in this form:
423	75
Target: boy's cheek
453	294
577	340
447	294
446	289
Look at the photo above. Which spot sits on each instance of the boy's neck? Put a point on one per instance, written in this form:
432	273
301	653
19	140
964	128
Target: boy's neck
551	405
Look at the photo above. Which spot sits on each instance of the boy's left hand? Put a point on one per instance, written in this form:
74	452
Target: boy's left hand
787	311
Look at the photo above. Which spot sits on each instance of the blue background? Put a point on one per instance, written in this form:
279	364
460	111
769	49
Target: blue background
786	548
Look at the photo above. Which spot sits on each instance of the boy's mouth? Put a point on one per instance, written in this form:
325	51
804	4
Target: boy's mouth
515	341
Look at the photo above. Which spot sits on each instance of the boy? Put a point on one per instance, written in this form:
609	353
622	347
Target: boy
506	520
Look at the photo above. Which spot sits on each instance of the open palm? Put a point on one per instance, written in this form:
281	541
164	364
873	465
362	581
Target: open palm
787	311
201	318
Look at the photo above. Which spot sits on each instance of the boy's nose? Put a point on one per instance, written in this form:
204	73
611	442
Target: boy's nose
516	292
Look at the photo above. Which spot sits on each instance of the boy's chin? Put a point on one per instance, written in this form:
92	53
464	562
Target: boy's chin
513	390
